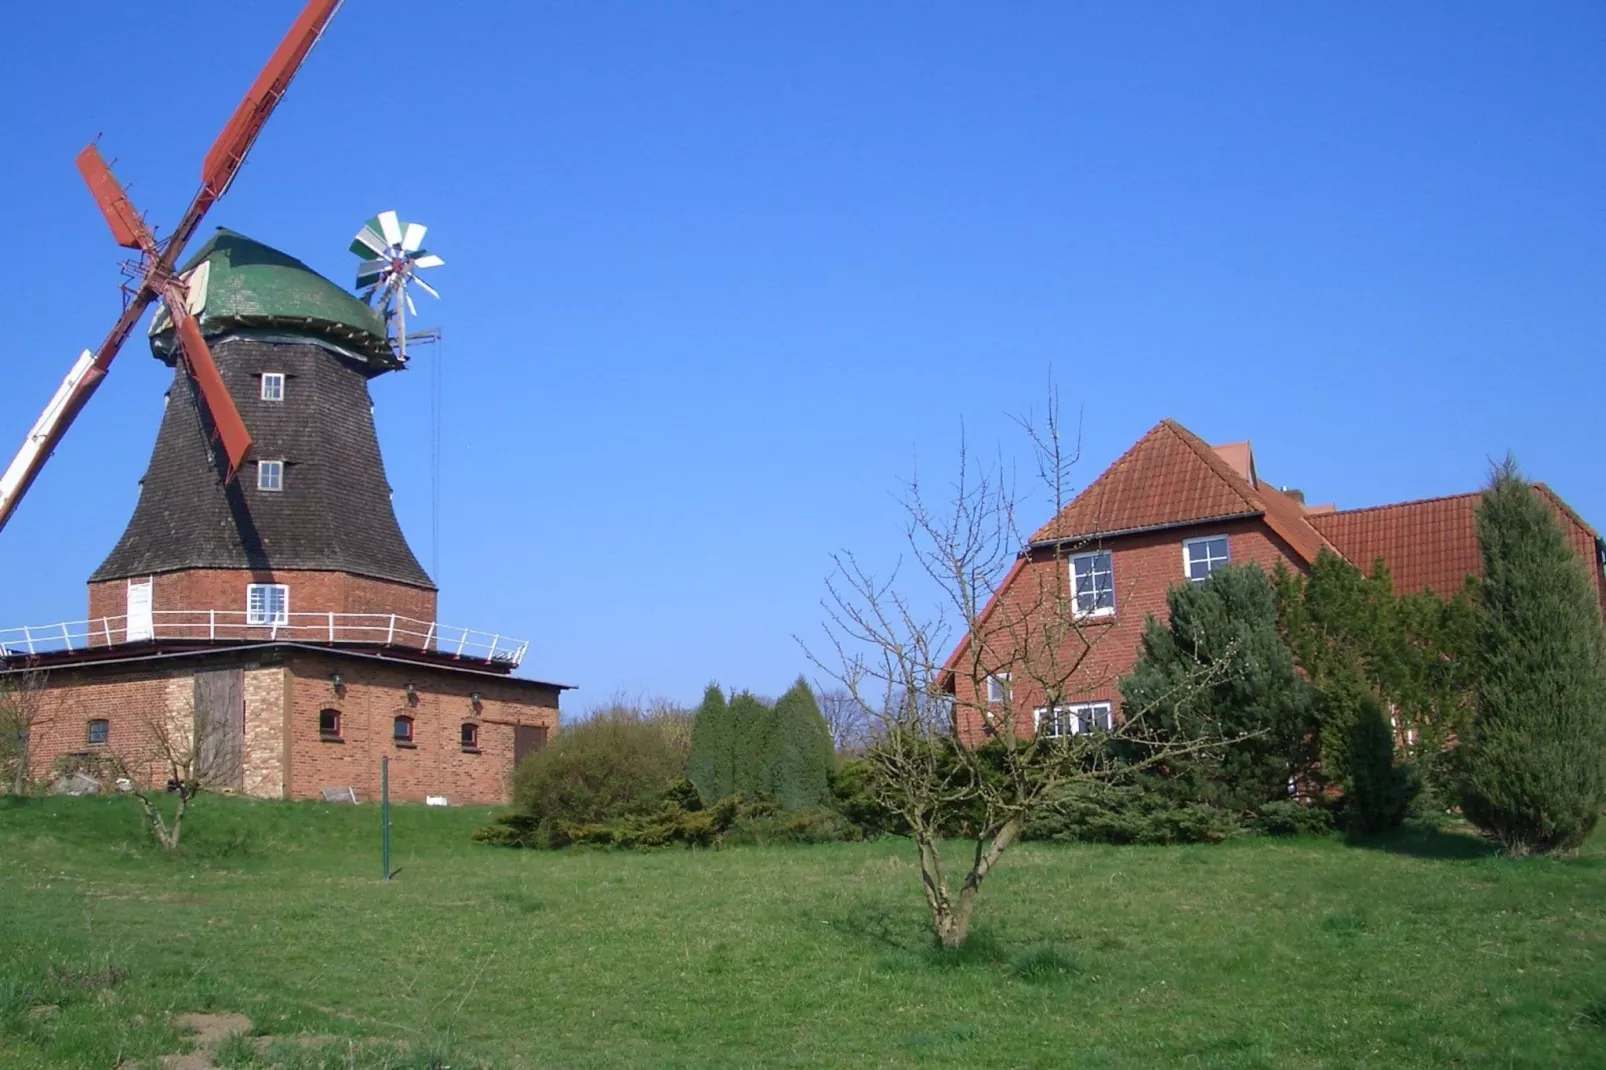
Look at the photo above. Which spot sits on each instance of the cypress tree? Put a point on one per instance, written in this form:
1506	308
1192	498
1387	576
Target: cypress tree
1535	763
710	761
754	725
801	755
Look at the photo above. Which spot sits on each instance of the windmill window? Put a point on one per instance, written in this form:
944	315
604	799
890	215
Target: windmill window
1201	557
471	736
329	724
99	731
270	475
273	386
404	731
267	604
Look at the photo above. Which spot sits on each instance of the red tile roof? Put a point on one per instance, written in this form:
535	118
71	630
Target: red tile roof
1171	477
1431	544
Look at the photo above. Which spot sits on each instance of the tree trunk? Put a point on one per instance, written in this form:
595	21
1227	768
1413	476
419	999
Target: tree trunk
950	919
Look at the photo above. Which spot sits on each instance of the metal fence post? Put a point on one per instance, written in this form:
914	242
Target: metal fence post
384	815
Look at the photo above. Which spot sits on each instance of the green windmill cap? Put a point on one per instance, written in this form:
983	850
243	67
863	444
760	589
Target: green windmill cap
250	285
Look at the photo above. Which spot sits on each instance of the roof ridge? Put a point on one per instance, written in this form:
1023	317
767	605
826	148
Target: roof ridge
1401	505
1213	461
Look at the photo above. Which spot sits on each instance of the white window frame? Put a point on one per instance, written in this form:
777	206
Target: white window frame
273	386
270	475
1080	717
262	614
1211	563
1092	556
998	689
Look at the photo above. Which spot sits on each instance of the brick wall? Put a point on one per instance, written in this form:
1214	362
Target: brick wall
224	590
1145	567
284	756
373	696
129	702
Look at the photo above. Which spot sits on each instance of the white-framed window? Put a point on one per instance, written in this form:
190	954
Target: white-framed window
273	386
1075	719
1201	557
997	688
267	603
1093	583
270	475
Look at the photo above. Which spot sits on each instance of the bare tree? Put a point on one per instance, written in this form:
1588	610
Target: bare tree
183	756
850	723
23	715
958	693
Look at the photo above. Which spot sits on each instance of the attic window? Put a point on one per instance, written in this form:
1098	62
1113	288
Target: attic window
1093	583
270	475
273	386
1201	557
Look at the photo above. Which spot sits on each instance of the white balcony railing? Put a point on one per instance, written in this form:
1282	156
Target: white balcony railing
369	629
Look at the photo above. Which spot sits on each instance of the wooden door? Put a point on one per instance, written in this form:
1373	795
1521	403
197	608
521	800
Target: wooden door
220	728
140	624
527	739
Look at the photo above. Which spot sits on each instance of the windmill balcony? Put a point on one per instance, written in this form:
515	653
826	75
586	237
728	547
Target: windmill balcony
199	626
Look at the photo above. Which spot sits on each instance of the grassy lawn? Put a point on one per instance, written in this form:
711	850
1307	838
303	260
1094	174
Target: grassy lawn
1426	951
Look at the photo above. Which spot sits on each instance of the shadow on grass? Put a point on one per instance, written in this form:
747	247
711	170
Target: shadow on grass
1426	841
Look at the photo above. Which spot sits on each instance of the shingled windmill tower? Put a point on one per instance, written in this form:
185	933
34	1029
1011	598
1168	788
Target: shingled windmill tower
305	538
262	610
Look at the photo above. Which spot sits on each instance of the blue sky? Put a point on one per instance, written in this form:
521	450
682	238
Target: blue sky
721	274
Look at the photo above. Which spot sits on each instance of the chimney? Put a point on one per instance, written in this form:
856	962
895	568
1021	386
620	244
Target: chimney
1294	493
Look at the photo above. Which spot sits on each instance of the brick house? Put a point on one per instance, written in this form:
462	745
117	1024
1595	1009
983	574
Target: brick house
281	613
1170	510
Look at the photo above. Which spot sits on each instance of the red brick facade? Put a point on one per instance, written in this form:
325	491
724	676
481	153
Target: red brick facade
285	688
1145	565
1167	489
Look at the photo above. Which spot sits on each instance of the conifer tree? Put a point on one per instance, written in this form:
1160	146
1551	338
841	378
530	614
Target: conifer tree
1262	704
754	724
1535	759
711	761
801	754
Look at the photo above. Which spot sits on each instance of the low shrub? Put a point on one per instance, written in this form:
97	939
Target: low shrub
613	764
1129	814
1292	819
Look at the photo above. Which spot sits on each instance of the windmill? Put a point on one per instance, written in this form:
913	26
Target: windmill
155	277
392	255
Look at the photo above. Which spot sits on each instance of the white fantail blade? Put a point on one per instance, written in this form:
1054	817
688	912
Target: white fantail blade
413	238
412	310
428	260
391	228
367	239
426	287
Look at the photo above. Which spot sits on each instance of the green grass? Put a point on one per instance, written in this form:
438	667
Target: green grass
1424	951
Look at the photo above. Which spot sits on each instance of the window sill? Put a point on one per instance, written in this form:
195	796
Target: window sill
1097	614
402	744
472	750
330	739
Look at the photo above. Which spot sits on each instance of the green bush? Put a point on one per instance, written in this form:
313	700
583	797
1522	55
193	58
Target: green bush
1535	760
1289	818
1128	813
1377	790
610	765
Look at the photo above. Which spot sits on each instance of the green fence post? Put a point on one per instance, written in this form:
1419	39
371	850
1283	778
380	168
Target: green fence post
384	814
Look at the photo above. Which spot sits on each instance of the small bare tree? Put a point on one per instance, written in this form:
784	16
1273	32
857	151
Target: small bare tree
183	756
971	731
849	722
24	713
